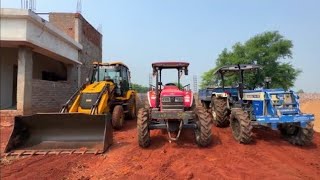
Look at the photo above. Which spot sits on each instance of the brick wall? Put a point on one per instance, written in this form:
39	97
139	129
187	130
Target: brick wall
77	27
64	21
49	96
89	32
91	41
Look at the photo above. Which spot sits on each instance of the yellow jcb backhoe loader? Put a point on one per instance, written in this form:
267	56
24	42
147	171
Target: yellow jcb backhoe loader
84	123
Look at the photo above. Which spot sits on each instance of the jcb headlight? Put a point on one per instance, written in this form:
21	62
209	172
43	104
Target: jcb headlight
166	99
178	99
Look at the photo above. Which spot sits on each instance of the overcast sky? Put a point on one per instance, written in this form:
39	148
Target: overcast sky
140	32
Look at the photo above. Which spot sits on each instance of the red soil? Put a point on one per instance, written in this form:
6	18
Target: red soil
267	157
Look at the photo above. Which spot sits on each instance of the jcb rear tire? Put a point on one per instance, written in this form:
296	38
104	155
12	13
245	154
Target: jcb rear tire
220	112
297	135
241	126
132	109
203	133
143	128
117	117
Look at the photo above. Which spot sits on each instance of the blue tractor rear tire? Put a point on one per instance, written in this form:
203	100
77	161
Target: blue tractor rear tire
220	112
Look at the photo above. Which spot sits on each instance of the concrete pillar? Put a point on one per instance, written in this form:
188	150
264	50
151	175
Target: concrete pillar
72	71
79	75
24	85
77	25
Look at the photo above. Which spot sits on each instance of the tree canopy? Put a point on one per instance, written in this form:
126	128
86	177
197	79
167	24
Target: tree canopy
139	88
268	49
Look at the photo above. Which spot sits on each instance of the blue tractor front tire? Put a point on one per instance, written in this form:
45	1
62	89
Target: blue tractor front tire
241	126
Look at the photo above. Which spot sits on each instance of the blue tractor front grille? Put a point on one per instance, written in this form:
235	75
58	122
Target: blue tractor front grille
288	111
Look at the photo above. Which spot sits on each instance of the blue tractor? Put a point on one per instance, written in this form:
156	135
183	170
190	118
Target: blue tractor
245	108
219	100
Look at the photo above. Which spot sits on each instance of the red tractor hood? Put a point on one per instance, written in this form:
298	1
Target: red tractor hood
172	91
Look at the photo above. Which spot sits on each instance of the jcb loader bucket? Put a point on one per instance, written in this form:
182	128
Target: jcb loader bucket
60	134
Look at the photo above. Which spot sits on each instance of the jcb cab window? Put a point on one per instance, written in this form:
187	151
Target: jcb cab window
107	73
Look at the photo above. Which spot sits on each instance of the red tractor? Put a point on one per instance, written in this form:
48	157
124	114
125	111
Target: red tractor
172	108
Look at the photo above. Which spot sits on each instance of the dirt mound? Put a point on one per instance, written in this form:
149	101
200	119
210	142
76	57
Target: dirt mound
313	106
268	156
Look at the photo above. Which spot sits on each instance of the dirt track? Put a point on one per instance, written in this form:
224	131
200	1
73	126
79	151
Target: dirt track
268	157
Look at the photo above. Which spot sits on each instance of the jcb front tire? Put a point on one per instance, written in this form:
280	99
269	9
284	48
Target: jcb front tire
220	112
241	126
117	117
297	135
203	133
143	128
132	108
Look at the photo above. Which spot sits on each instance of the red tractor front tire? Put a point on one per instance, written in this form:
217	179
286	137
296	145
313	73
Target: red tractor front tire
143	128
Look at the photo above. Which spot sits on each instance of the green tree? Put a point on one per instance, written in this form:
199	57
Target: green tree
139	88
268	50
178	85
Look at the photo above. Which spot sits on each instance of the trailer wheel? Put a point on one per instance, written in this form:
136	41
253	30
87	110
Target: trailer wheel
117	117
143	128
241	126
203	133
297	135
132	108
220	112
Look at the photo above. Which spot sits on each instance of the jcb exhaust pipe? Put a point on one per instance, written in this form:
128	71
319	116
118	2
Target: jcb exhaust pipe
60	133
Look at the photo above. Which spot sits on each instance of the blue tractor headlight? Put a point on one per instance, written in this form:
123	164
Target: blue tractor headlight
166	99
178	99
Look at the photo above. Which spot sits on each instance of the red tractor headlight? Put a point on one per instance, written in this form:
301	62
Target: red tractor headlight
165	99
187	98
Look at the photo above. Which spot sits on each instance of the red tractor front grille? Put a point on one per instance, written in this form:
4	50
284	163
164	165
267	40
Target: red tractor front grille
172	104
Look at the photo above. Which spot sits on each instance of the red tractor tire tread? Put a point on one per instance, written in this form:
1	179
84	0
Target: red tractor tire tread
205	120
143	129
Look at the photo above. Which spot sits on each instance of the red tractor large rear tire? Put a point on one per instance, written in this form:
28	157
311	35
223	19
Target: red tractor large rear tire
143	128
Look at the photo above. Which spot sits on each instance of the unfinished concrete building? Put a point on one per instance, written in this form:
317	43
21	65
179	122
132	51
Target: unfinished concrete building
43	62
